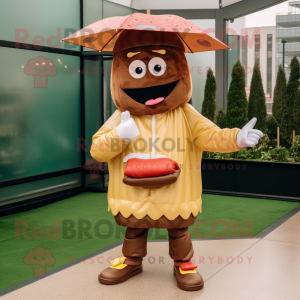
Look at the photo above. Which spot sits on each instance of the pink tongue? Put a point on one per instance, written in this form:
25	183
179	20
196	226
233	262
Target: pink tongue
155	101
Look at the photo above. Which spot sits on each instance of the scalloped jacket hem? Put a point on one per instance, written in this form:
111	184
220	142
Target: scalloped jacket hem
155	210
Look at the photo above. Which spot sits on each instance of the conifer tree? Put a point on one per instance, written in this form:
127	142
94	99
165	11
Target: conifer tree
221	118
289	115
209	102
236	98
271	127
257	100
278	96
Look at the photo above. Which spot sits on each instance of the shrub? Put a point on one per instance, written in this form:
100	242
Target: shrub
295	149
209	102
273	143
280	154
221	118
205	154
271	127
265	144
242	154
278	96
266	156
222	155
236	98
254	153
250	153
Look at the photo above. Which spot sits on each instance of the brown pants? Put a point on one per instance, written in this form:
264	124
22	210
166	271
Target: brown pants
180	244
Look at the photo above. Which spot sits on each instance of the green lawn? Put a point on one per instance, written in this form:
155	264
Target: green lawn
89	210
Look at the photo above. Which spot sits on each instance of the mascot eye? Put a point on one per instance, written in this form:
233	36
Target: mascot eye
137	69
157	66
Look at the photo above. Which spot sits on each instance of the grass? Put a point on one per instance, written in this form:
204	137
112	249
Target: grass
92	227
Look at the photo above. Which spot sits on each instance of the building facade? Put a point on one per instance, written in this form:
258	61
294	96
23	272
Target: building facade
288	29
261	49
238	51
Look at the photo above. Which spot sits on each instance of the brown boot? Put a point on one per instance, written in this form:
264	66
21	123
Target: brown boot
188	281
134	249
121	272
181	250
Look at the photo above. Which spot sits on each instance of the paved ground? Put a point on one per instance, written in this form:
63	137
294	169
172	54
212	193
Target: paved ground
267	268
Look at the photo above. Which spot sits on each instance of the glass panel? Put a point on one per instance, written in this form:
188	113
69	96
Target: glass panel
39	112
111	9
40	187
93	116
40	22
244	54
92	12
95	10
109	106
233	54
199	63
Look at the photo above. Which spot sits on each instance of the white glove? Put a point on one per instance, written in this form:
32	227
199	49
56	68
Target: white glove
127	130
248	137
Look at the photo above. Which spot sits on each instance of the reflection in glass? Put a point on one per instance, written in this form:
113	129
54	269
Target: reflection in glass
38	188
39	113
93	118
109	106
40	22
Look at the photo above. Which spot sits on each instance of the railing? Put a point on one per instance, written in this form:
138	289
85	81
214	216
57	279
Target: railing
286	28
288	13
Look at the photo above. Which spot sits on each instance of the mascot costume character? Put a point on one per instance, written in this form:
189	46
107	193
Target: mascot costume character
154	142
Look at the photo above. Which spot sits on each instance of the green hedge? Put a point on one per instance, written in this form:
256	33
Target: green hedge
265	150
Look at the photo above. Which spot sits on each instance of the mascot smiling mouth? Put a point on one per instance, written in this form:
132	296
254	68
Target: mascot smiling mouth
151	95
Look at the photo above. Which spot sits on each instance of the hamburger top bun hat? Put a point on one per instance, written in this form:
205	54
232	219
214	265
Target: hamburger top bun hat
164	30
137	38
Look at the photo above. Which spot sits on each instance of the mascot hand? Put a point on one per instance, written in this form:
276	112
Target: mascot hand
127	130
248	137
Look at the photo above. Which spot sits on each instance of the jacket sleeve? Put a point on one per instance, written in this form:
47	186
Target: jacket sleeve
208	136
106	142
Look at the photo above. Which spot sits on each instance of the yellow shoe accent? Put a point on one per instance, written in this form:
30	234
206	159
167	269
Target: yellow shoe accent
119	267
118	263
187	271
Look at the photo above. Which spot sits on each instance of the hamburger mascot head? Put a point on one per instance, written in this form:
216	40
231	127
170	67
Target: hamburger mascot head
150	73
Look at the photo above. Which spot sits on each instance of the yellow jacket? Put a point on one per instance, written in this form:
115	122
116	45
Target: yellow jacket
182	135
